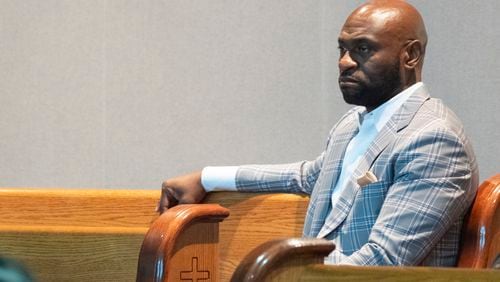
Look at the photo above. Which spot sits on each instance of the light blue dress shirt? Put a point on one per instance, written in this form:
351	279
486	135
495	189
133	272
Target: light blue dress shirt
370	125
223	178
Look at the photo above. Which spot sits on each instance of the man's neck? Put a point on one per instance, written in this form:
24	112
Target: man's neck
391	97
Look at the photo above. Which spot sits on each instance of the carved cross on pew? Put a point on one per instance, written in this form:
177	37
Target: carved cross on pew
195	275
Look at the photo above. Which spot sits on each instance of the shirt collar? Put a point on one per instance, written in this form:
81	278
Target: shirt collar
384	112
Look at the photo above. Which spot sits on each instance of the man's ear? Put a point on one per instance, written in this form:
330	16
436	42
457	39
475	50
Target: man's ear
413	54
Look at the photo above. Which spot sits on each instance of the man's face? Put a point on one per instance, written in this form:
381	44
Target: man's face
369	63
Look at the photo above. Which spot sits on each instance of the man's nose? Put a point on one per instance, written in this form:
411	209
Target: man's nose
346	62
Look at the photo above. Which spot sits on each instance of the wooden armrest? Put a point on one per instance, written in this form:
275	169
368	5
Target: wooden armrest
269	259
164	248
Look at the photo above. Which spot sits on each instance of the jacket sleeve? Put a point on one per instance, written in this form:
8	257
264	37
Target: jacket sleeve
298	177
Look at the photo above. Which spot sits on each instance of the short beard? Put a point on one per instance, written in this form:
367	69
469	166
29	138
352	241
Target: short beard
379	91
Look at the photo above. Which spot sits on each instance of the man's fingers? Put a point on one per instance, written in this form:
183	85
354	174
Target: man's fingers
172	198
167	200
162	205
163	202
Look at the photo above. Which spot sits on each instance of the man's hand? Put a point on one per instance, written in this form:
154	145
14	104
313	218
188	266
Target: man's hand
186	189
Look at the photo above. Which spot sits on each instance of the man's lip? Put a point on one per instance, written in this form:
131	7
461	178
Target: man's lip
347	80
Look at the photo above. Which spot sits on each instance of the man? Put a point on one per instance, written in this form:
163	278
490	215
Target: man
398	172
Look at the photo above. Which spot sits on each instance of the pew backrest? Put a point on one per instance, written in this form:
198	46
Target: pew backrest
255	219
481	232
209	249
76	234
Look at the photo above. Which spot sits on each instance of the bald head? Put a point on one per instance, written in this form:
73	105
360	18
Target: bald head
382	47
396	17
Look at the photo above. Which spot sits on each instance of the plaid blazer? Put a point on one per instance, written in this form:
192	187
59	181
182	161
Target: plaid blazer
426	178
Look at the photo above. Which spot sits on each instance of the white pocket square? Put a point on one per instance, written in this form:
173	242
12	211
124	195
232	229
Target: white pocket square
366	179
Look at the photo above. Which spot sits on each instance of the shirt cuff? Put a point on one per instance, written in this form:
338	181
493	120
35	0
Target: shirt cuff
219	178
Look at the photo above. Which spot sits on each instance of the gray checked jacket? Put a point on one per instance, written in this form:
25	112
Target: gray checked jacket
411	212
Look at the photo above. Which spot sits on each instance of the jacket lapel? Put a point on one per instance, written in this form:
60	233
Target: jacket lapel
320	203
388	133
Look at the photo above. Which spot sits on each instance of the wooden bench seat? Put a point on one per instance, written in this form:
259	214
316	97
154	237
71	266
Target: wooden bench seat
76	235
290	260
96	235
257	218
254	219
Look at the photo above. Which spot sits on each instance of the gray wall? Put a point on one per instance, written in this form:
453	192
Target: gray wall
123	94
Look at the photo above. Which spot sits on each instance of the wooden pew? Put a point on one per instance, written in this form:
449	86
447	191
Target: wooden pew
290	260
76	235
481	231
479	250
167	255
257	218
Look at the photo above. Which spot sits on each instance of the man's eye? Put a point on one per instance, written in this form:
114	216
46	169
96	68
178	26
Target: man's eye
363	49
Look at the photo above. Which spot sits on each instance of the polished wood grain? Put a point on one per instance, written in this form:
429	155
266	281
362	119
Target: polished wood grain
481	232
480	247
258	218
76	235
269	260
81	207
255	219
67	256
182	243
302	260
